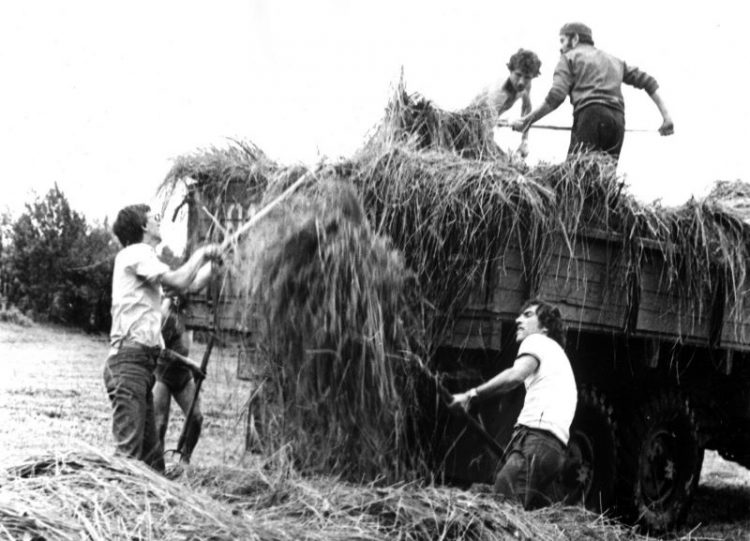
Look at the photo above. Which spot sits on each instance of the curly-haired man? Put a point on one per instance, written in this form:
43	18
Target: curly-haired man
523	66
536	452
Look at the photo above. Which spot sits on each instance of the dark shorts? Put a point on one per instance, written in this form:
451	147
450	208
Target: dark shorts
534	460
175	376
597	128
129	378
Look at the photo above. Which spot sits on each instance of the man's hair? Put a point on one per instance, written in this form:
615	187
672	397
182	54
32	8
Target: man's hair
525	61
549	318
585	35
582	38
129	224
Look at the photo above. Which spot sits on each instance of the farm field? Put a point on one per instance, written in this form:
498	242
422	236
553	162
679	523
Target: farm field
52	399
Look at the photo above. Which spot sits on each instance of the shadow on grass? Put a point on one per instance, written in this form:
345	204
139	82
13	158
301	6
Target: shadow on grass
719	512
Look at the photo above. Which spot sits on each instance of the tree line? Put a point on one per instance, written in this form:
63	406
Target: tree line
55	266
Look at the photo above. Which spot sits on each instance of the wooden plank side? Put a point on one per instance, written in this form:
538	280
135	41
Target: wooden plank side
232	316
735	331
584	284
508	285
663	312
475	331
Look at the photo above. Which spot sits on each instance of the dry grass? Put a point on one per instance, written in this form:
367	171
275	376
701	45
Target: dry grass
354	288
77	495
52	399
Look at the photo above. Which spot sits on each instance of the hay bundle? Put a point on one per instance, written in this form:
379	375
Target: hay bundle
733	196
75	495
415	120
213	170
454	219
89	496
337	327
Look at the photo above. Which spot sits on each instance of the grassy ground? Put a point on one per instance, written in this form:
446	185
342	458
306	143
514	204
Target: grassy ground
52	398
52	395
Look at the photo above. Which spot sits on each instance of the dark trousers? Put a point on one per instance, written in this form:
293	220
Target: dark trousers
129	378
598	128
534	460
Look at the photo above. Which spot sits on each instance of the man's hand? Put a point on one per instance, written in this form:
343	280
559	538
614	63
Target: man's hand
667	127
462	401
520	124
212	252
523	149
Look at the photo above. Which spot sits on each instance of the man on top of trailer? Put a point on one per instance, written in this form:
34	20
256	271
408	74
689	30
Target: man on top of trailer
135	338
536	452
523	67
593	80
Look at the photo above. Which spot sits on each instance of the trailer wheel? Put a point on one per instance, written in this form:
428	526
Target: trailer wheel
661	459
589	472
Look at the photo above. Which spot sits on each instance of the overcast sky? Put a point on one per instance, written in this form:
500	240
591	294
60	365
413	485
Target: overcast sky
99	96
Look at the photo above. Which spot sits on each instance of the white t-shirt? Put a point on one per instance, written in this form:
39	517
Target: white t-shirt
136	296
551	394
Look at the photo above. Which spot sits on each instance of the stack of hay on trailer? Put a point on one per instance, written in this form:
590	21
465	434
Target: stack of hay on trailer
356	280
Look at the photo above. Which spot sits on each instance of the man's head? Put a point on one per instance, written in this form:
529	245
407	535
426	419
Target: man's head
573	34
137	223
538	316
523	66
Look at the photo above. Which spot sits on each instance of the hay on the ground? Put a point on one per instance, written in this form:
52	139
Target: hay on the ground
73	495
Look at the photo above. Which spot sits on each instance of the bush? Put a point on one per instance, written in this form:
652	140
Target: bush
11	314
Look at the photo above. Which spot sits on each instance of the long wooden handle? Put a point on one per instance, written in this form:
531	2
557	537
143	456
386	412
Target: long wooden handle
472	423
264	211
566	128
198	383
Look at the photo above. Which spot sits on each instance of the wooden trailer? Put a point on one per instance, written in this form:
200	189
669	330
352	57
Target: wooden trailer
662	373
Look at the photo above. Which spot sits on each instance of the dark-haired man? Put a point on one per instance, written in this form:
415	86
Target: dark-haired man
593	80
523	66
536	452
135	337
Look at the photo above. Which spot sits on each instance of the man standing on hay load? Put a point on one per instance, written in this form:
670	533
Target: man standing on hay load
593	80
494	101
536	452
135	338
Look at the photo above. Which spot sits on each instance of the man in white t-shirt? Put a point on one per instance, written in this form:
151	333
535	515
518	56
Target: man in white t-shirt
135	337
536	452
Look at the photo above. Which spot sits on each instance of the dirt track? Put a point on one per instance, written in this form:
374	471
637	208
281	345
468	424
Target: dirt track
52	397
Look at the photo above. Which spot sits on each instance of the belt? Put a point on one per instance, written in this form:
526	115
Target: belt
129	345
540	431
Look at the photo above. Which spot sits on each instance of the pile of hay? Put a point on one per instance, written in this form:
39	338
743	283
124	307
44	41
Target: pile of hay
340	335
89	496
358	276
211	171
411	119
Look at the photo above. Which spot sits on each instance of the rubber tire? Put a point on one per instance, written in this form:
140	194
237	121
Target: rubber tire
660	462
590	468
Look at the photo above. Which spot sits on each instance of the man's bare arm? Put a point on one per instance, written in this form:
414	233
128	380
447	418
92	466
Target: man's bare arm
667	126
181	278
508	379
524	123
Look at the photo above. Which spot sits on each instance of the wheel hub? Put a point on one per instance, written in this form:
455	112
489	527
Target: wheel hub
659	467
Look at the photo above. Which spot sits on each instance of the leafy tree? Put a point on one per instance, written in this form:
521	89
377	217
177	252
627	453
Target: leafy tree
59	268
